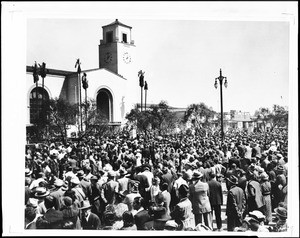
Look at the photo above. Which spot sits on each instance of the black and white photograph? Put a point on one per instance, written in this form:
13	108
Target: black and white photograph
150	118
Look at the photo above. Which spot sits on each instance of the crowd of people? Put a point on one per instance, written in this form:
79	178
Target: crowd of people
159	183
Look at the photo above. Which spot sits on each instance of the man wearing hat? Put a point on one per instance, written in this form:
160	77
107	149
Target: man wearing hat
141	216
58	193
215	198
133	193
85	183
182	213
159	214
123	181
75	186
199	196
281	216
89	220
109	189
236	203
254	195
40	194
52	219
70	213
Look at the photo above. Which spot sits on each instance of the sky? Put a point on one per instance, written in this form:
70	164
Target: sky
181	58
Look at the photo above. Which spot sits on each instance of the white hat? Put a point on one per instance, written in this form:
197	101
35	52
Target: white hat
75	180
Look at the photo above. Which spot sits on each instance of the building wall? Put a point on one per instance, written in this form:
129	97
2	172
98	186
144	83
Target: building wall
52	84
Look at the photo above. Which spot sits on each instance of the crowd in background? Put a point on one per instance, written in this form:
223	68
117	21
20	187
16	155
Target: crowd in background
159	183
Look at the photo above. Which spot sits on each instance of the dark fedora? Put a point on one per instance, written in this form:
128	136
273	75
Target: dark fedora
280	169
232	179
183	190
85	205
197	175
281	212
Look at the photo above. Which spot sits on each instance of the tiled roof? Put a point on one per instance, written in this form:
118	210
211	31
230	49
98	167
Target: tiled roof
116	22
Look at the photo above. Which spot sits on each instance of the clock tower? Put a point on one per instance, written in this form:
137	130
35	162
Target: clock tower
116	49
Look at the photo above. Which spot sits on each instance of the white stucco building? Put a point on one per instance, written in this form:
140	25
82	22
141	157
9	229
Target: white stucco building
111	85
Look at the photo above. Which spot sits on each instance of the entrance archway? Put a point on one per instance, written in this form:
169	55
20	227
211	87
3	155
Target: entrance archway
105	104
36	99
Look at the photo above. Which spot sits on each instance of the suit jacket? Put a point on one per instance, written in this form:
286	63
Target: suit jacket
236	202
52	219
199	193
143	183
58	194
255	197
141	218
86	187
182	213
167	178
215	192
109	190
93	222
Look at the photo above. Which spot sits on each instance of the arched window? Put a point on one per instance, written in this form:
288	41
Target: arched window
105	104
37	97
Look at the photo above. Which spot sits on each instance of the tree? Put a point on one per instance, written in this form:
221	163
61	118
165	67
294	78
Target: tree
158	119
279	116
60	116
139	120
96	122
163	119
263	115
199	115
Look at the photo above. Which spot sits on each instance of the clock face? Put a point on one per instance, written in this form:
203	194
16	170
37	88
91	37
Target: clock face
126	58
107	57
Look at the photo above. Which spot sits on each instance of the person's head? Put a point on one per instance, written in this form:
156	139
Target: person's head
164	186
49	202
85	207
138	202
281	213
30	213
109	217
71	194
183	191
128	219
156	180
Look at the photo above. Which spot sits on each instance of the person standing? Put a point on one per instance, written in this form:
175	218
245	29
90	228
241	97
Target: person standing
215	198
254	195
182	213
199	196
266	192
89	221
236	203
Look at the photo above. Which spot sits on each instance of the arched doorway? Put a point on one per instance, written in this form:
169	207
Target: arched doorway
105	104
37	97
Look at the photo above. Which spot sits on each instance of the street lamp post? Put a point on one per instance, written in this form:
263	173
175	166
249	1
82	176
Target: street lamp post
220	78
85	85
141	79
146	89
79	88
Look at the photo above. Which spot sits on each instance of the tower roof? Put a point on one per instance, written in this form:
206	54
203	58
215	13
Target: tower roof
116	22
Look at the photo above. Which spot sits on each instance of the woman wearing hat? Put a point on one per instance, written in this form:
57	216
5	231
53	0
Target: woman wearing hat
266	192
